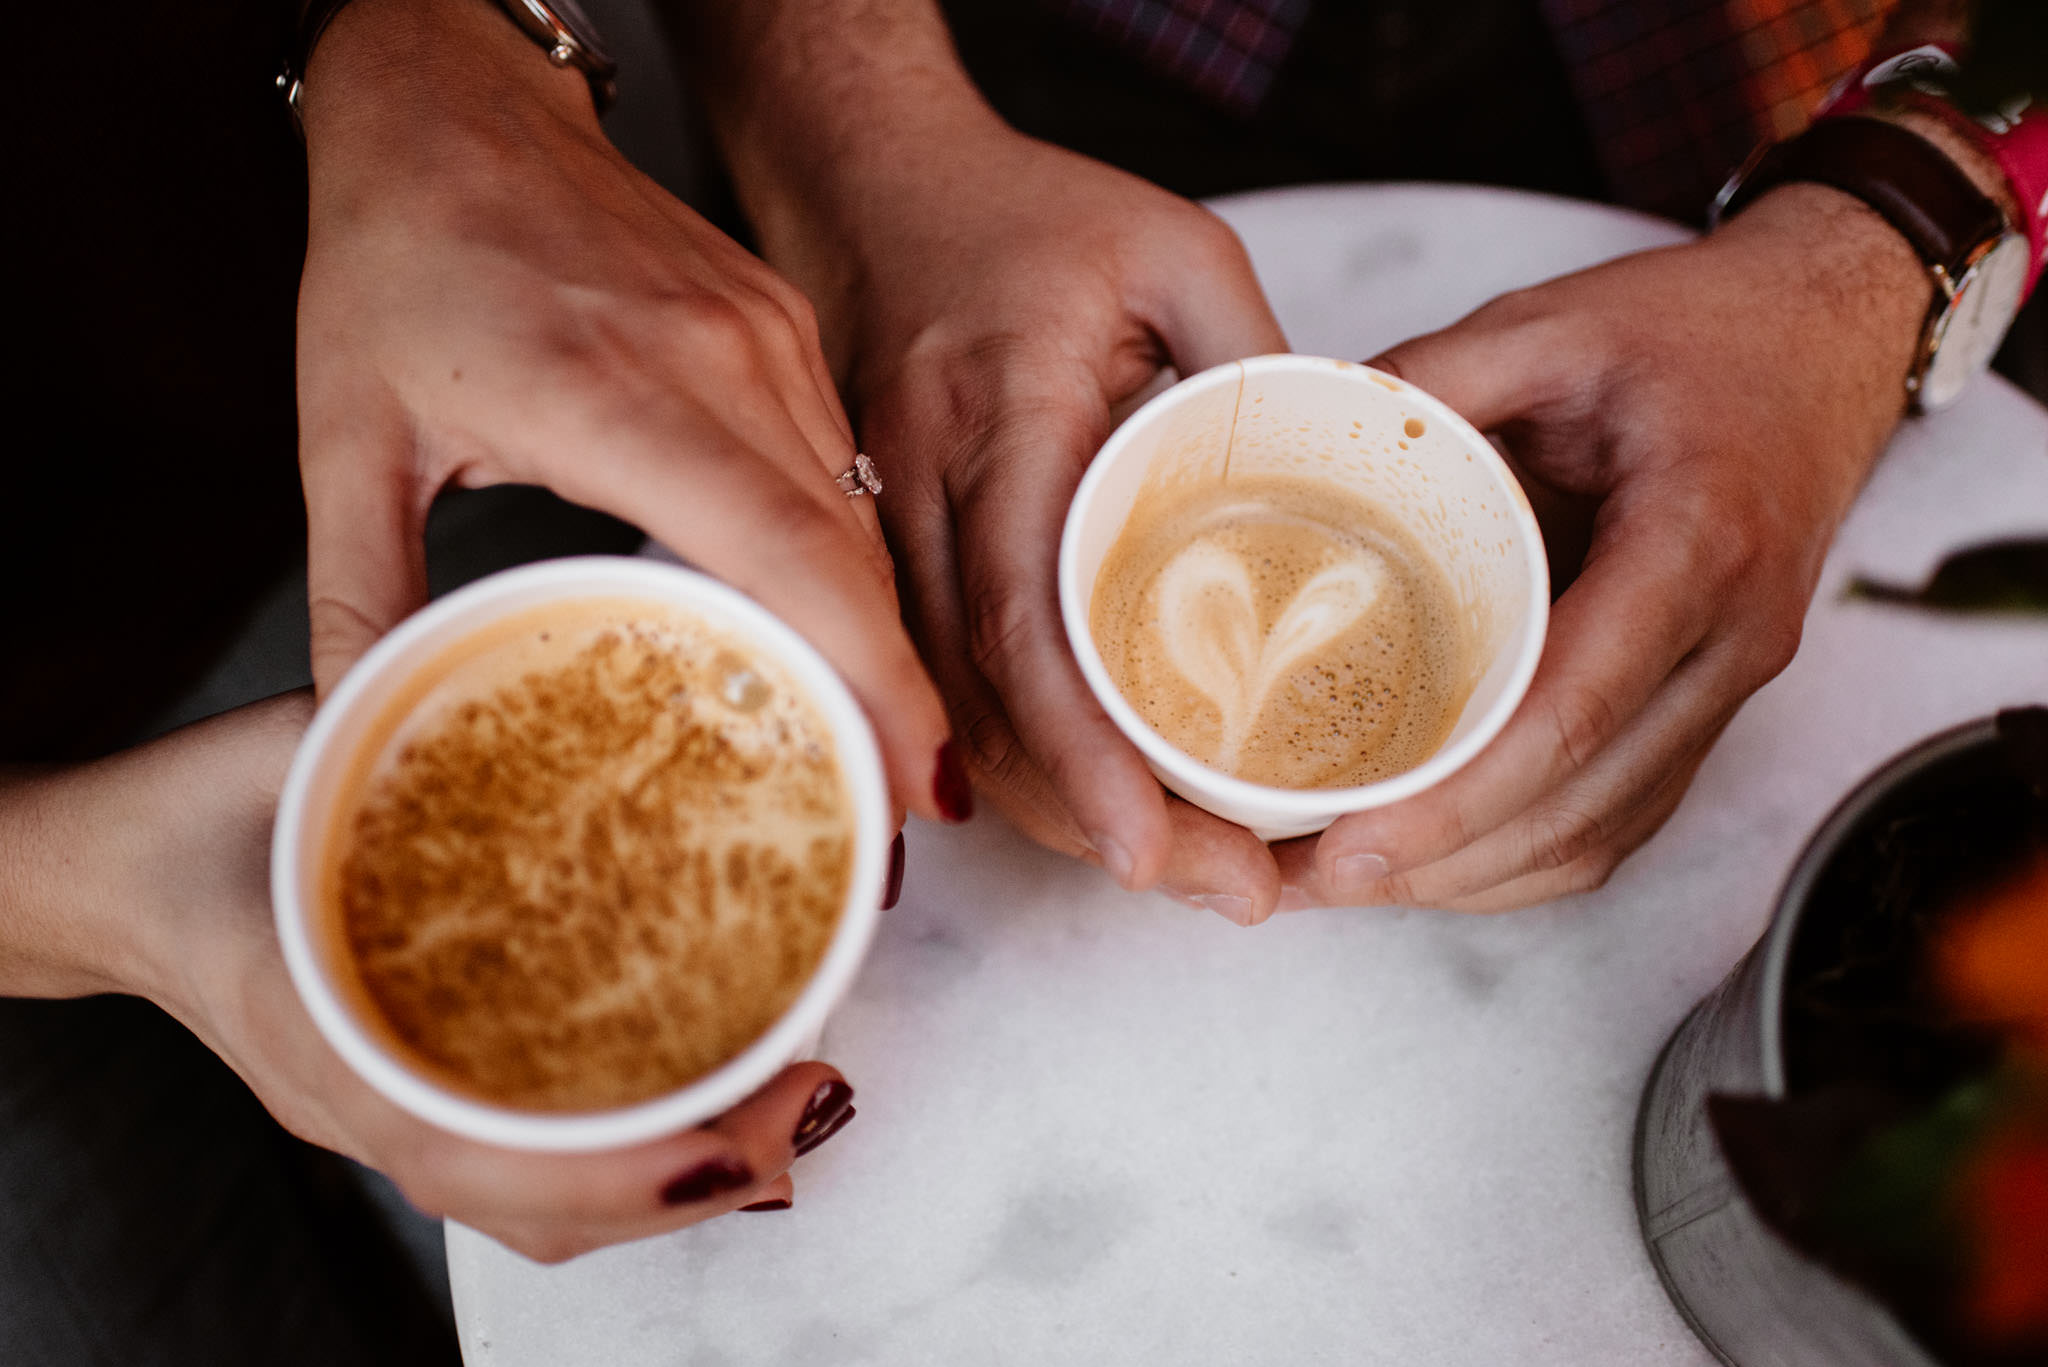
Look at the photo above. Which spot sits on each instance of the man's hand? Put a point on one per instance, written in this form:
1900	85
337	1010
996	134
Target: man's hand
1018	300
1716	405
988	301
149	873
492	294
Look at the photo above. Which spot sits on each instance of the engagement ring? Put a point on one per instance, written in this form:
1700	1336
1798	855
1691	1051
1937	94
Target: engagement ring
861	479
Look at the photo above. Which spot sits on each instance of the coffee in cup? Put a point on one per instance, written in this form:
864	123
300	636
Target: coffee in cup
1302	587
1283	630
580	855
588	855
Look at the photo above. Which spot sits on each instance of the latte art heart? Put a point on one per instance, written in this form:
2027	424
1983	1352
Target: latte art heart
1282	631
1220	648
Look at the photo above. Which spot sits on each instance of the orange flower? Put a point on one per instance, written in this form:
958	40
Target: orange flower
1994	966
1994	961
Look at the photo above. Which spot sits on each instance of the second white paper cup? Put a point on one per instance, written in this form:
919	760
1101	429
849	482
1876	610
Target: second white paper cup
305	818
1382	438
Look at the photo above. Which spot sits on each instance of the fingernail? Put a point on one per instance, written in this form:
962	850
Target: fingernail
834	1128
707	1180
1357	872
1238	909
1115	858
774	1203
827	1103
1293	898
950	788
894	887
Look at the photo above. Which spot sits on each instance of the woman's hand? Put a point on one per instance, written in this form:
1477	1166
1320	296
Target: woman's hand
165	851
1715	406
492	294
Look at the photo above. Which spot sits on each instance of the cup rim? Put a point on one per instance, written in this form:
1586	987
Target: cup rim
616	1127
1281	805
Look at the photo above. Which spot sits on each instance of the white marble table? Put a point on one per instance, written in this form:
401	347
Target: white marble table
1098	1128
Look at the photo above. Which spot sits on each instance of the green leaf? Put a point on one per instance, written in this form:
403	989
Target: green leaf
1997	577
1892	1197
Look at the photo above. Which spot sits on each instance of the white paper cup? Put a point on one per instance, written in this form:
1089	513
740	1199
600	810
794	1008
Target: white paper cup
1311	417
305	818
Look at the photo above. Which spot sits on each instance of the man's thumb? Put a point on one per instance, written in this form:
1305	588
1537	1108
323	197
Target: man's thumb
1489	373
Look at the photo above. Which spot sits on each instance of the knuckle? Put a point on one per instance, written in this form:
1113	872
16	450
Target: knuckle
1591	873
1718	530
796	307
1218	242
1508	309
1777	639
1581	719
720	322
1450	829
331	614
1561	837
994	749
995	384
549	1248
722	337
340	632
999	623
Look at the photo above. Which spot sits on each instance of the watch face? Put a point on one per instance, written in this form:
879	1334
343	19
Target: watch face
1966	336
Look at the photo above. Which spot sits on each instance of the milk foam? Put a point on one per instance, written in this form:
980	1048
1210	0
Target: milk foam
598	855
1281	630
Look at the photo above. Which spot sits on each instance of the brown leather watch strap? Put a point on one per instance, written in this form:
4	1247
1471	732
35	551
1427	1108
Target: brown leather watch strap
1902	175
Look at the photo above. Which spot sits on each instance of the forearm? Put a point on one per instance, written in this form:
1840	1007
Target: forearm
61	932
1889	289
389	77
814	97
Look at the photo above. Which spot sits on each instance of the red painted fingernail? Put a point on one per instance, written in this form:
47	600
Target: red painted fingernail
707	1180
950	788
775	1203
834	1128
894	888
828	1103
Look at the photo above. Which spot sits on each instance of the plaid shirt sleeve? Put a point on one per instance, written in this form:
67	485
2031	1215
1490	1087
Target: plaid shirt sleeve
1674	92
1227	51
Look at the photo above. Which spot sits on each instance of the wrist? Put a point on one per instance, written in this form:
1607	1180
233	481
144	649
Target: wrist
66	927
1849	291
825	114
1969	158
392	81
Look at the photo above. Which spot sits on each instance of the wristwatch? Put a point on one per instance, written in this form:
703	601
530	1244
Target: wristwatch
1978	264
559	26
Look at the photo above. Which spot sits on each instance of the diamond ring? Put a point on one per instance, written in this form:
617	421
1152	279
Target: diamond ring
861	479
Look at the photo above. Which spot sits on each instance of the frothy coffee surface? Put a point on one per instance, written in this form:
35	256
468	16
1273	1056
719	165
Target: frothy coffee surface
594	854
1282	630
